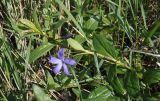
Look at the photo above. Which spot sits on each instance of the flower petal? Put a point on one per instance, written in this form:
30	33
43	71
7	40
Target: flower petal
54	60
61	54
65	68
69	61
57	69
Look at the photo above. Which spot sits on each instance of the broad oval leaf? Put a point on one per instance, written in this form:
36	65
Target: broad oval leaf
103	46
114	80
74	44
51	83
76	91
59	23
38	52
152	76
132	83
117	85
100	91
100	98
91	25
35	18
30	25
40	94
99	94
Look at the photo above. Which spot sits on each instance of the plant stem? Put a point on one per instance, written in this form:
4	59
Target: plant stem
81	98
117	62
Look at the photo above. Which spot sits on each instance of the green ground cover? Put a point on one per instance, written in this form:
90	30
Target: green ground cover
79	50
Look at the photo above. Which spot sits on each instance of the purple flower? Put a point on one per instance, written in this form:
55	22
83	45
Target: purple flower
61	61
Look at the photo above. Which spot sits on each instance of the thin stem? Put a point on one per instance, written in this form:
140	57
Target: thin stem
117	62
151	54
77	83
96	64
5	78
4	98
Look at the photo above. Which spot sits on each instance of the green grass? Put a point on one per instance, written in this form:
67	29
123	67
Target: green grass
116	44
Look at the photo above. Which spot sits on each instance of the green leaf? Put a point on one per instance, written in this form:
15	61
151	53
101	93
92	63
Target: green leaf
152	76
17	79
111	2
79	39
143	14
76	91
74	44
38	52
132	83
114	98
154	29
106	21
100	91
85	94
71	17
114	80
35	19
149	98
91	25
3	96
30	25
117	85
99	94
59	23
103	99
111	72
51	83
40	94
103	46
1	42
11	67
